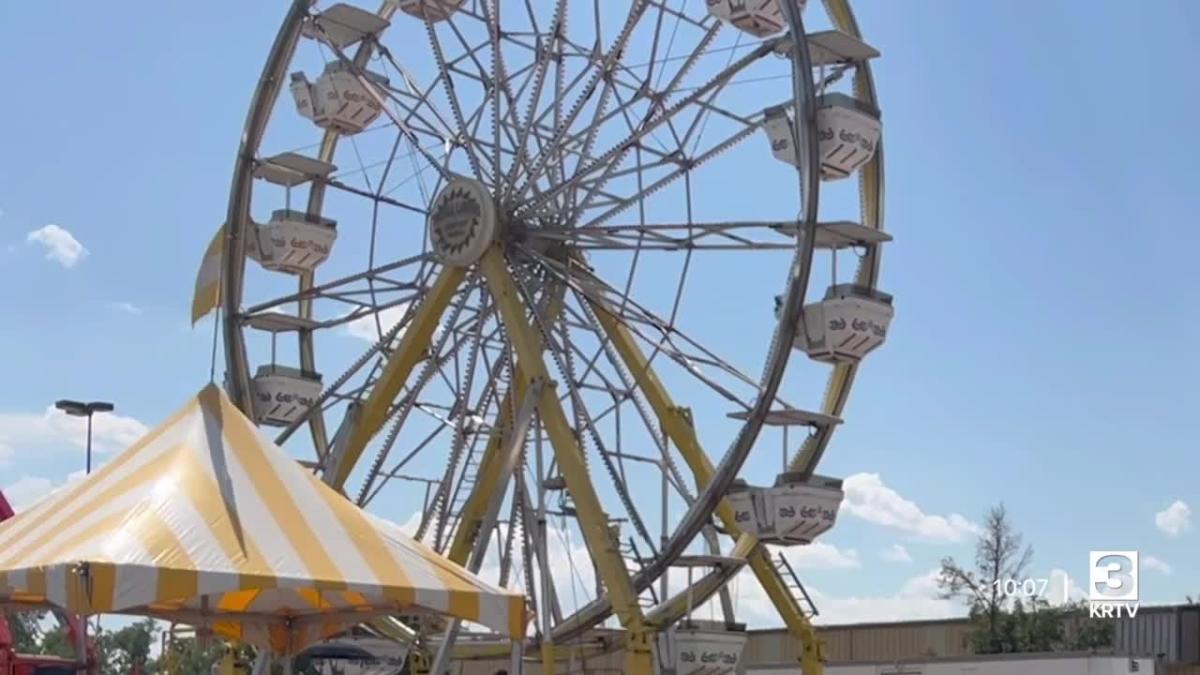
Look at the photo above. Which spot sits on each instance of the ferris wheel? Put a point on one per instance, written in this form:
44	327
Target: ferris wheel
508	265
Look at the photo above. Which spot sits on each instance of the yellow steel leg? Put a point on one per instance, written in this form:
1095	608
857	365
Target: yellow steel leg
569	456
488	476
472	510
395	373
677	424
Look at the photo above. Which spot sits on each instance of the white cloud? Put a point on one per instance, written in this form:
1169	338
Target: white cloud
365	328
574	580
868	498
60	245
28	490
917	598
1175	519
127	307
896	553
1156	564
820	556
110	431
1062	589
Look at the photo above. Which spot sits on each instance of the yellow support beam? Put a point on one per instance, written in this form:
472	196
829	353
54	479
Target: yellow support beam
476	504
413	346
592	521
677	424
488	476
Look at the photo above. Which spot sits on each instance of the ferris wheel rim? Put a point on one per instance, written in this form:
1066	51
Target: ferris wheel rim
239	222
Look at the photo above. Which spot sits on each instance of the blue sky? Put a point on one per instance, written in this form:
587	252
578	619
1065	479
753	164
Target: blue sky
1041	189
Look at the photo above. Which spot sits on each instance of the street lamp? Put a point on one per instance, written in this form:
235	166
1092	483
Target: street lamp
80	409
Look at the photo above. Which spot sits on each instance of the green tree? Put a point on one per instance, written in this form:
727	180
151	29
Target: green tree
189	657
120	650
1002	624
999	555
26	631
55	641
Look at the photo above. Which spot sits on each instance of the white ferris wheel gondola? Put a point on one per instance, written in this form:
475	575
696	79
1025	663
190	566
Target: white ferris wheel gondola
795	510
848	132
339	100
707	647
849	323
295	242
282	394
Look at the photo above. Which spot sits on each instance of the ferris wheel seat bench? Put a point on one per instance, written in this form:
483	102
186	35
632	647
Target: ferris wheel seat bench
759	18
342	25
294	242
338	100
428	10
283	394
848	132
848	324
707	647
793	511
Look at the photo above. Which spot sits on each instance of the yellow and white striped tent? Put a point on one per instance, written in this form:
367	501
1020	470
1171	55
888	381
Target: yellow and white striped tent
205	522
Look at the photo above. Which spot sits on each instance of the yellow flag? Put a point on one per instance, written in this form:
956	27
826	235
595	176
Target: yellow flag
207	295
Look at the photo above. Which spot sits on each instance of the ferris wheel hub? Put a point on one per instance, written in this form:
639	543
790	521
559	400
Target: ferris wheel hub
462	222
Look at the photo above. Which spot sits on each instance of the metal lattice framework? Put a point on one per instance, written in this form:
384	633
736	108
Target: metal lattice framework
529	197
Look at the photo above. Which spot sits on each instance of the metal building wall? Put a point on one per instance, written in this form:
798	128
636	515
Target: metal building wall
1013	664
1170	632
866	642
1153	632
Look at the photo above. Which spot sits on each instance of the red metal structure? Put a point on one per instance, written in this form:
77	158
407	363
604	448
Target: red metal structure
12	663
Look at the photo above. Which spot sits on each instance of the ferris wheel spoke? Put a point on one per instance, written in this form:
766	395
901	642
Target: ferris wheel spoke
400	415
549	309
399	365
679	427
591	289
599	71
689	165
340	392
610	159
611	62
467	335
464	416
638	86
373	91
541	66
633	395
569	459
770	235
455	106
493	82
585	425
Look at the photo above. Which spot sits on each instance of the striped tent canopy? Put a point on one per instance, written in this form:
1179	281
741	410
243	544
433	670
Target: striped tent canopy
205	522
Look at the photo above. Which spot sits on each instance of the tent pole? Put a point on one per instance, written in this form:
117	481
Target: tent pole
262	663
518	657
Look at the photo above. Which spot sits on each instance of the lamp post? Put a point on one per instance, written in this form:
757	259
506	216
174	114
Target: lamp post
80	409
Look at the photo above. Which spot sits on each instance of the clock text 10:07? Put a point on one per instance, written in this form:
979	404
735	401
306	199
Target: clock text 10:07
1028	588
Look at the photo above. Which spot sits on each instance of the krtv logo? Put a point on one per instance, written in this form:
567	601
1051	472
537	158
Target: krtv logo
1113	584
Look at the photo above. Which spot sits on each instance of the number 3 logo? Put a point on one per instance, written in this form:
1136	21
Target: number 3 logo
1114	575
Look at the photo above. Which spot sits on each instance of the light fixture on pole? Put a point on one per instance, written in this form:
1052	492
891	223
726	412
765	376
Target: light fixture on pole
80	409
